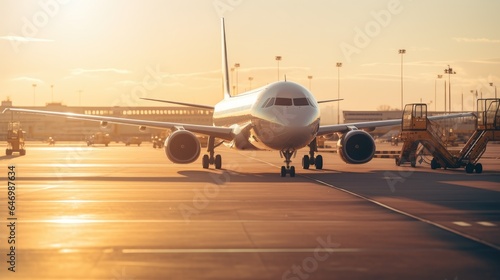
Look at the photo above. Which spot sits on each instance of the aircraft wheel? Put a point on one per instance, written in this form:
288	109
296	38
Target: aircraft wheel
205	161
8	152
283	171
479	168
469	168
319	162
106	145
305	162
292	171
218	162
22	152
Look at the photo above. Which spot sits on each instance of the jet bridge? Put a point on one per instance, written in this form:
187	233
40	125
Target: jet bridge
417	129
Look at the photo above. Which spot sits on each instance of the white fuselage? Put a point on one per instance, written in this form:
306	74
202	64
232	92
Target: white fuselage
280	116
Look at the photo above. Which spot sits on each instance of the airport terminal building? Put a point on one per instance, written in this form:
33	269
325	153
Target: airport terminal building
38	127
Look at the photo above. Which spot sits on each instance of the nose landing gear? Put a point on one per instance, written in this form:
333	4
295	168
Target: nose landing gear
287	154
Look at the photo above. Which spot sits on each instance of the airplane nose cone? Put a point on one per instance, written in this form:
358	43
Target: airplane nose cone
290	135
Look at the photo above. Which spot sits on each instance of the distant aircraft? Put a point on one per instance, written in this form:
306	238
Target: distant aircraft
282	116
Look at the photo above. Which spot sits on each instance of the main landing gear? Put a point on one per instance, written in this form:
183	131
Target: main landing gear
310	159
287	154
208	160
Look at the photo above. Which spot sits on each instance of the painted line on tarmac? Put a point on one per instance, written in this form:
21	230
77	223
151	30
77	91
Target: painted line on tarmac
240	250
470	237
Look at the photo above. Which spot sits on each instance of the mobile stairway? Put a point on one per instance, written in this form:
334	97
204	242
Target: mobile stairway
417	129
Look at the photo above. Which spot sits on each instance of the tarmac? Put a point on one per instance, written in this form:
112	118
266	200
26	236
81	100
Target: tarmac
128	213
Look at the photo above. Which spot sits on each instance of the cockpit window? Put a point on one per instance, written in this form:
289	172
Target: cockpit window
311	103
300	102
269	103
280	101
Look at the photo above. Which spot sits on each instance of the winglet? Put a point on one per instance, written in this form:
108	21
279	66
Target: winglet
225	68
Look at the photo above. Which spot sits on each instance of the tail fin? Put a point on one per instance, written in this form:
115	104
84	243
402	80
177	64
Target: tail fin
225	68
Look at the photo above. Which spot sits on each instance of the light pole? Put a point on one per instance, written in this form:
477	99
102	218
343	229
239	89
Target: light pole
236	66
52	92
491	84
402	52
339	64
449	71
278	59
473	99
310	78
34	88
250	79
435	91
462	100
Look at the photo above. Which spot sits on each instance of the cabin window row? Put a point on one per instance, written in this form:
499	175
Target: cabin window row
149	112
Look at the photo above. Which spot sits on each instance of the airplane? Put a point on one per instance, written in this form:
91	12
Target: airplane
282	116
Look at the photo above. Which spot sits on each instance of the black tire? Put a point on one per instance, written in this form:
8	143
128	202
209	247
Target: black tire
434	164
397	161
318	162
154	145
469	168
478	168
218	162
292	171
283	171
106	144
8	152
22	152
305	162
205	161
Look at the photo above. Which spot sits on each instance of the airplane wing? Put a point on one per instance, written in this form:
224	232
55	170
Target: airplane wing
224	133
328	129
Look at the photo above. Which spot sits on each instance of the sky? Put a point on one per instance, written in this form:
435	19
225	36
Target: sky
111	53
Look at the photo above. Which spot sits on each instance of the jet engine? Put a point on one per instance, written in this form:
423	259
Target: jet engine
182	146
142	128
104	124
356	147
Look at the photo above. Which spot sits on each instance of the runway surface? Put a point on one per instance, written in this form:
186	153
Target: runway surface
128	213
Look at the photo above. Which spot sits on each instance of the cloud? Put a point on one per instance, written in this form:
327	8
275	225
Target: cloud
476	40
28	79
24	39
80	71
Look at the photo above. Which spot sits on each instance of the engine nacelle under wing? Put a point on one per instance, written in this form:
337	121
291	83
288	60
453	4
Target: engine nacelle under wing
356	147
182	146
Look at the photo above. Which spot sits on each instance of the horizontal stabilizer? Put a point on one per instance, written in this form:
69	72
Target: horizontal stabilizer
330	100
181	103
